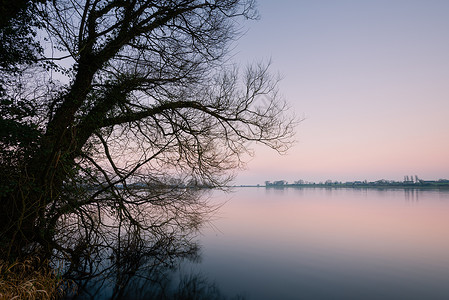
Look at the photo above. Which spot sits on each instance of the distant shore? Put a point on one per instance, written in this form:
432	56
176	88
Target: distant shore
380	184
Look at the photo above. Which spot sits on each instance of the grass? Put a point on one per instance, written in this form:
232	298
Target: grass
29	279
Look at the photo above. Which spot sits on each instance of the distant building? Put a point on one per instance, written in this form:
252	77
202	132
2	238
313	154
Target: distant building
280	183
277	183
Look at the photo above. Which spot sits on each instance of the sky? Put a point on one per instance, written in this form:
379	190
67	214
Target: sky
369	78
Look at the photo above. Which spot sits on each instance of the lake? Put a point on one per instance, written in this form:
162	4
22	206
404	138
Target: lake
292	243
301	243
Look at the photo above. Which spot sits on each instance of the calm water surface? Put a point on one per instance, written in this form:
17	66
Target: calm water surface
328	244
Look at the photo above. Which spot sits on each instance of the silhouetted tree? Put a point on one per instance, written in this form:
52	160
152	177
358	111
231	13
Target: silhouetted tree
126	94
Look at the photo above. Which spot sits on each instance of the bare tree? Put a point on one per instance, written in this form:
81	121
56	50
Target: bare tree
150	109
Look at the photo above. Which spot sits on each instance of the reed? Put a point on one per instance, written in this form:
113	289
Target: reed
29	278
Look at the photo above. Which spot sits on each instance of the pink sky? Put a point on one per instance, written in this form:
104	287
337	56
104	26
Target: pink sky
371	79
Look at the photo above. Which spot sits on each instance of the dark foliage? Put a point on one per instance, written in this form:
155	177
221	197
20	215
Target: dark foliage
113	116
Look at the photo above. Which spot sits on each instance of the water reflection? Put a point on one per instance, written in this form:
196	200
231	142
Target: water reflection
137	256
283	244
411	195
132	270
331	244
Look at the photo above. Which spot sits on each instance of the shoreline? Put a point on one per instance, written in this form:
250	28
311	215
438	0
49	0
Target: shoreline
356	186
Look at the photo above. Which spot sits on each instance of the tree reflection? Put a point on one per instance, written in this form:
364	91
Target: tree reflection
132	252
